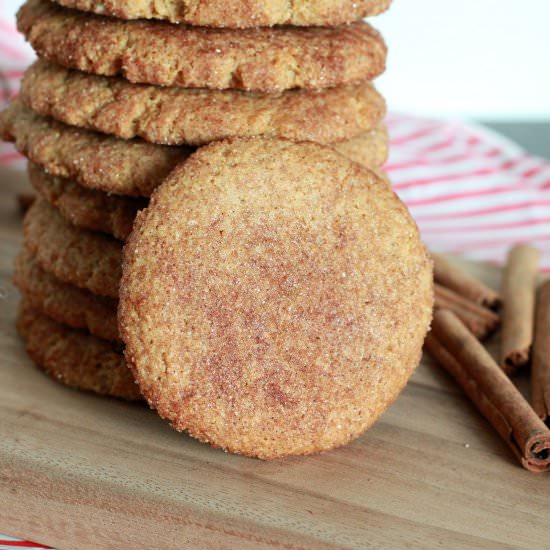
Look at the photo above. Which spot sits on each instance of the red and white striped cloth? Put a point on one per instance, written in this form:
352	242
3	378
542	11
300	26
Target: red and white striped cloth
472	192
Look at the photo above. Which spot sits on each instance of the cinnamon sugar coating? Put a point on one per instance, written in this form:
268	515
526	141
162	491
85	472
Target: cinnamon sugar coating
155	52
74	357
236	13
275	297
179	116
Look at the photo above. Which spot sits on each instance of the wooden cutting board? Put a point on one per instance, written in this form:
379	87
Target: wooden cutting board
80	471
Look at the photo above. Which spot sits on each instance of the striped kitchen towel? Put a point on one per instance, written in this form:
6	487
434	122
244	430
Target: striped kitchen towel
472	192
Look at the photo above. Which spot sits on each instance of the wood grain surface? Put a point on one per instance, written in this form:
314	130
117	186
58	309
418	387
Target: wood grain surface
80	471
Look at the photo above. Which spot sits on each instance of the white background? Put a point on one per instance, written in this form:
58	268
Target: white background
486	59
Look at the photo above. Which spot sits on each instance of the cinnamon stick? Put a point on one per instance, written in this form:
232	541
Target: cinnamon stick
540	368
496	397
456	279
518	315
482	322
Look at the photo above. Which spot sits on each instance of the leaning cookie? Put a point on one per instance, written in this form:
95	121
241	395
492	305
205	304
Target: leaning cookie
183	116
76	256
63	302
126	167
75	358
87	208
155	52
237	13
279	311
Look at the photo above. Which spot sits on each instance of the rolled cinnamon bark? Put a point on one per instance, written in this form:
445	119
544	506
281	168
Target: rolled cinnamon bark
453	277
518	315
482	322
496	397
540	368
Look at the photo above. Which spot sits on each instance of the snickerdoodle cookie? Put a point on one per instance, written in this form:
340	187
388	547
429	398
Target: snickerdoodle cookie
236	13
157	52
275	297
83	258
97	161
87	208
75	358
64	302
183	116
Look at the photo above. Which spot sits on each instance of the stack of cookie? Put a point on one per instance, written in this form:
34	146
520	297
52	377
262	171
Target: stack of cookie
121	94
115	101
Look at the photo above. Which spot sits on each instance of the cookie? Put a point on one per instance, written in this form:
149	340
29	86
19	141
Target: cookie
180	116
237	13
74	357
87	208
76	256
124	167
155	52
274	298
94	160
63	302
